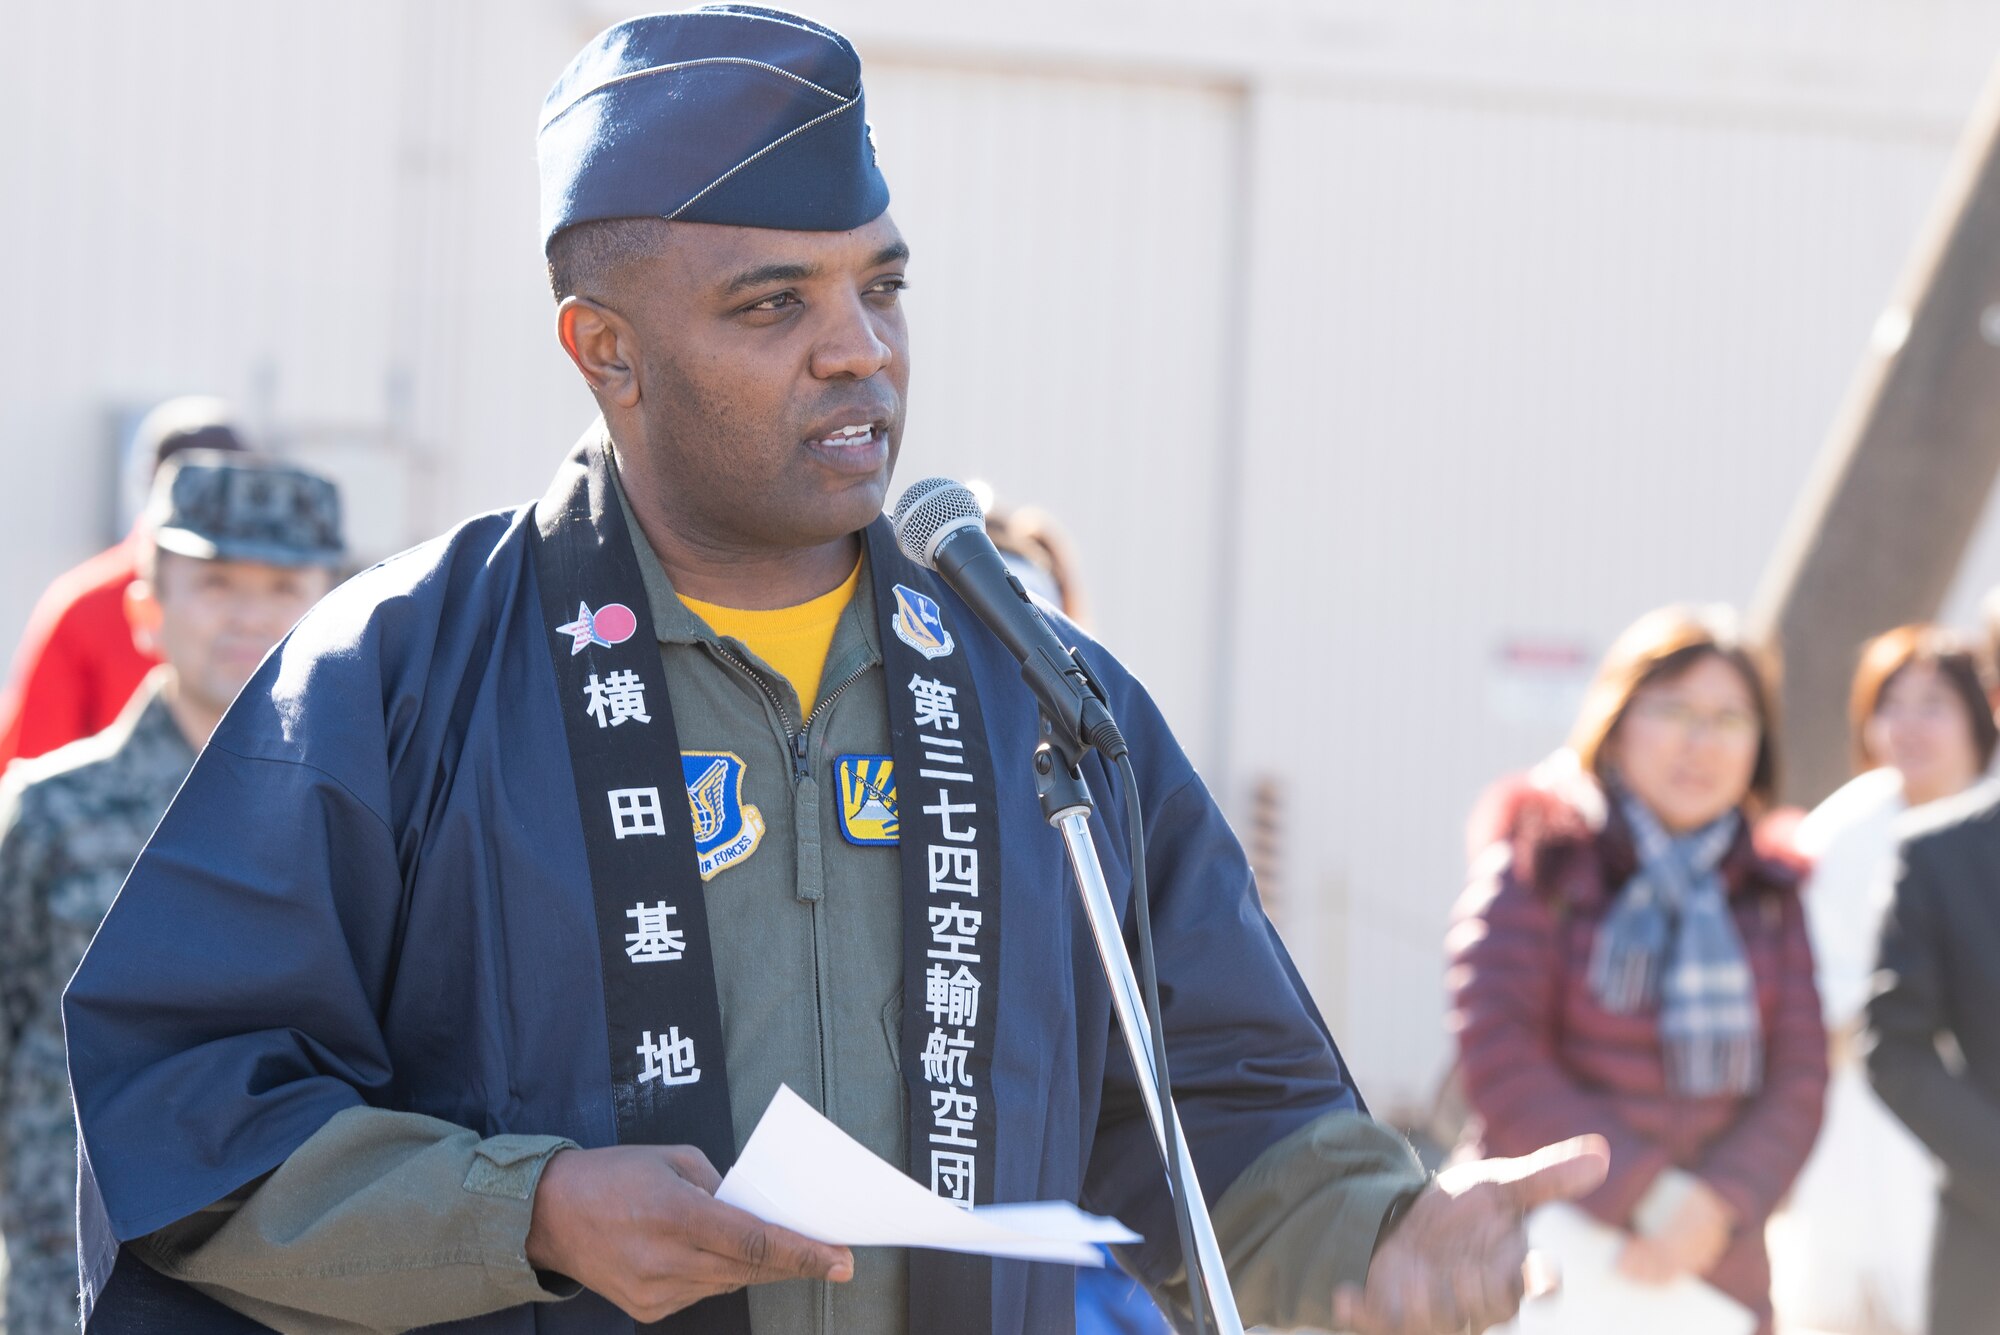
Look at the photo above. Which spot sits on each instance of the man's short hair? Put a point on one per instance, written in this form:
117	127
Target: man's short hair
583	258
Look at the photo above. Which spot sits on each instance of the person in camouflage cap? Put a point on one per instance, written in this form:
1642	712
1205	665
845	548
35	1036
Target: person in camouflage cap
76	666
235	549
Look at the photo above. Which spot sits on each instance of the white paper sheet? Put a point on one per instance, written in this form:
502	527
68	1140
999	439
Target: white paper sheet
1595	1298
802	1172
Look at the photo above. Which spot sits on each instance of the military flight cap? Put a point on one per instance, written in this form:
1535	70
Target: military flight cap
225	506
724	114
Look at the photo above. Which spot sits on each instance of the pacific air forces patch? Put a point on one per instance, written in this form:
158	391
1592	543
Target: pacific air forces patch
725	830
868	799
919	624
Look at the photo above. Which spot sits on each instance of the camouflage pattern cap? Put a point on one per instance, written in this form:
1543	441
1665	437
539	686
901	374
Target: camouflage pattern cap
220	506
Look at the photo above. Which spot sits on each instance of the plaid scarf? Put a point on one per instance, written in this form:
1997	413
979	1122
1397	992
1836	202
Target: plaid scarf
1669	938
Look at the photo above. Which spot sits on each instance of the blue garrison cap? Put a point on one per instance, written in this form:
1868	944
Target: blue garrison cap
724	114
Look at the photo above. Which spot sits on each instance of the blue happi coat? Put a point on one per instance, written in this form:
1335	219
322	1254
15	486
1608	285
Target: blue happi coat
373	889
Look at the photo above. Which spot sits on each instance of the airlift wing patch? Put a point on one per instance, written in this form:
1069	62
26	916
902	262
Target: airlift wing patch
868	799
725	831
918	623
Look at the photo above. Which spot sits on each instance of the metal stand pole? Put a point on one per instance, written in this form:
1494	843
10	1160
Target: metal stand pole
1066	803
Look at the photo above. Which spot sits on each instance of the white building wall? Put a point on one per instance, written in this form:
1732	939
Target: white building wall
1519	374
1381	336
1068	315
168	230
324	213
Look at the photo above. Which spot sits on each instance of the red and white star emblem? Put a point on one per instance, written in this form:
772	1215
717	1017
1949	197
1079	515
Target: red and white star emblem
610	624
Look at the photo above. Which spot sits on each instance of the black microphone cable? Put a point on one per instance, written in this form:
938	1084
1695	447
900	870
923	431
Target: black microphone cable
1149	991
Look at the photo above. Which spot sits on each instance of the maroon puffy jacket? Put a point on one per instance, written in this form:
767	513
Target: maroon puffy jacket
1542	1061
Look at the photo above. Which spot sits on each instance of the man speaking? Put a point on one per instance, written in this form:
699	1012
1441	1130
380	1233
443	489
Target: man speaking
427	1004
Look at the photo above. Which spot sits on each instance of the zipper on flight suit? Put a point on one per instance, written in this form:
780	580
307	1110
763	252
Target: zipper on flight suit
845	682
801	769
795	740
777	701
799	745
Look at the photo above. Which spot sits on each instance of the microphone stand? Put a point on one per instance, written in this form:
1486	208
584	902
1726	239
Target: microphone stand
1066	804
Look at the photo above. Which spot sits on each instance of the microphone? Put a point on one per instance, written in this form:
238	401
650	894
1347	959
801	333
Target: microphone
940	526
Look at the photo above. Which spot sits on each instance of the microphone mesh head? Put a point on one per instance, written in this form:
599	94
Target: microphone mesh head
930	509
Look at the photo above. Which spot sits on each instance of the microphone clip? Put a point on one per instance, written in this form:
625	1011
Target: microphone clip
1058	760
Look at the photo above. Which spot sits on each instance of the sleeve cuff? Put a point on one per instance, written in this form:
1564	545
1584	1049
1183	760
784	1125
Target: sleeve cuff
508	1169
1305	1217
450	1242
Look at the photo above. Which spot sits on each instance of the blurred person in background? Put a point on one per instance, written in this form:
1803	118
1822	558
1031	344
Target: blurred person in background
78	663
231	553
1850	1250
1038	552
1631	958
1931	1036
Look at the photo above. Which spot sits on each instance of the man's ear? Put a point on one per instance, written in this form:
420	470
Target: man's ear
604	347
143	615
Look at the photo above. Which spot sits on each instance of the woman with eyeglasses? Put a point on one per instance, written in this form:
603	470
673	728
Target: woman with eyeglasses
1631	958
1852	1247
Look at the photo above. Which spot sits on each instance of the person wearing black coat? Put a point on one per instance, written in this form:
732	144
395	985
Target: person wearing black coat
1938	975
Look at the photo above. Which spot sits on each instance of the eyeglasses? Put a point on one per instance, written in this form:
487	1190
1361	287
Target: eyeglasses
1729	725
1938	708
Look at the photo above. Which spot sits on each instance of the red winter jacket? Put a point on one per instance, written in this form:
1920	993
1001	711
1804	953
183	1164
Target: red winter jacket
77	665
1542	1060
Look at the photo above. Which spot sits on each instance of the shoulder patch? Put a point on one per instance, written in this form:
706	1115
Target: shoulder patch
918	623
868	800
725	830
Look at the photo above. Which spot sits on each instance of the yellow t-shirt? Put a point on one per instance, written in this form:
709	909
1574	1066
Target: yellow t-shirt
794	640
